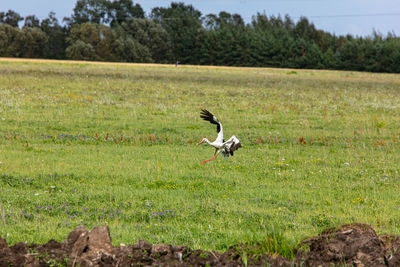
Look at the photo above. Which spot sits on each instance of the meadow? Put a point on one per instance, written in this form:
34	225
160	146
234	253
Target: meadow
115	144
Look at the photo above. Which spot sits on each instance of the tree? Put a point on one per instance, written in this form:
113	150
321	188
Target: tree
274	42
260	22
182	23
31	21
8	40
231	41
304	29
122	10
127	49
201	53
11	18
151	35
94	11
95	36
359	54
389	54
81	51
233	26
312	57
329	59
112	30
28	42
57	35
31	42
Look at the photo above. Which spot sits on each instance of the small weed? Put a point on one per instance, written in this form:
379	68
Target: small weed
322	221
379	124
203	255
55	263
244	258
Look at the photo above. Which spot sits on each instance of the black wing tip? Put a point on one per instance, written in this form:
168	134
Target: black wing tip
207	116
205	112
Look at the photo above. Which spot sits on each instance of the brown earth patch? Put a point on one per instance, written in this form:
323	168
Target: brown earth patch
349	245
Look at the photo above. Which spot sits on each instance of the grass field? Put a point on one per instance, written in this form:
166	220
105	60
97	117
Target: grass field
114	144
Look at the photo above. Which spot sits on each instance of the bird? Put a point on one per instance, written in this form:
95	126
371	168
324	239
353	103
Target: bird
226	148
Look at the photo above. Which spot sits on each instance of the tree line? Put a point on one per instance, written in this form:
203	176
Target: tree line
105	30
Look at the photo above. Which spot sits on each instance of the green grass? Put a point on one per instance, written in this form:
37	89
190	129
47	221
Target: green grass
114	144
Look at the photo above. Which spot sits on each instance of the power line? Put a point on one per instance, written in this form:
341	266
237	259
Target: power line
353	15
319	16
335	16
294	17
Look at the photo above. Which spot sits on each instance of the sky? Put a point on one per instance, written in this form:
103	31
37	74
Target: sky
341	17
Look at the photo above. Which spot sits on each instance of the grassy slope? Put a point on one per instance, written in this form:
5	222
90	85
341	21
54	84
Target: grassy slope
114	144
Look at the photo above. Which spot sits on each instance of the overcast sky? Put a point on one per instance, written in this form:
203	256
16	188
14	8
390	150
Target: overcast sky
356	17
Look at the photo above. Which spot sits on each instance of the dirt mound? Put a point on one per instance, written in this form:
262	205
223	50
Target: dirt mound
350	245
94	248
353	245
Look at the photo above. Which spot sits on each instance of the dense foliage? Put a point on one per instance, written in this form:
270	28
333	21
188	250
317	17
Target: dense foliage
108	30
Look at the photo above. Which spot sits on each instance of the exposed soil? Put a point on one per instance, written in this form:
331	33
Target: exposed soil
350	245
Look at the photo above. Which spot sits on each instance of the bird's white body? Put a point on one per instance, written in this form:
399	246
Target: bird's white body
221	146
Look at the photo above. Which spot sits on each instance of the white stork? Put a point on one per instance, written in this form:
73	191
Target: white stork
220	145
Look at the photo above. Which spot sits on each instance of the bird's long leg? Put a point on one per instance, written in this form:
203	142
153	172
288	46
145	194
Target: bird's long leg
213	158
202	141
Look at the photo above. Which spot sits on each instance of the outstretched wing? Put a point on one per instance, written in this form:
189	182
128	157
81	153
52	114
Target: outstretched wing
233	144
208	116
